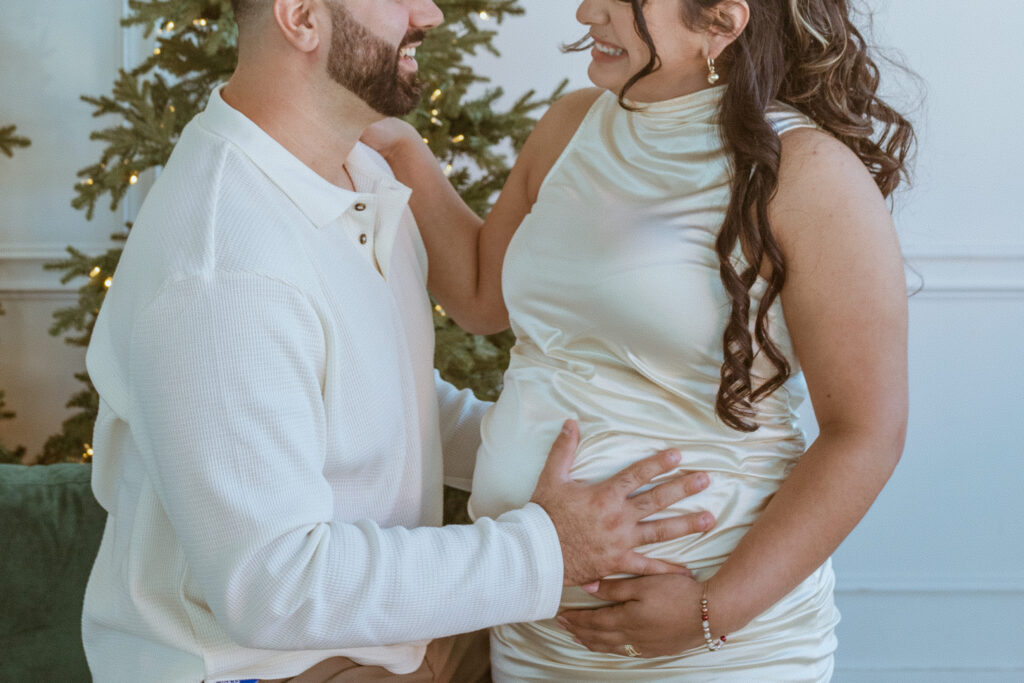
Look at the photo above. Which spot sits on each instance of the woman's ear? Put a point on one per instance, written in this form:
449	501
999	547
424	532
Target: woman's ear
302	23
728	21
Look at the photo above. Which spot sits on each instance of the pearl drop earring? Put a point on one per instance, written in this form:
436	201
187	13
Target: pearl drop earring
712	74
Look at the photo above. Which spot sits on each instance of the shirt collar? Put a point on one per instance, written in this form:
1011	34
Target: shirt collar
319	200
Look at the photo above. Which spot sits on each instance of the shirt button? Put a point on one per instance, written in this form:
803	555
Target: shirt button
360	207
363	238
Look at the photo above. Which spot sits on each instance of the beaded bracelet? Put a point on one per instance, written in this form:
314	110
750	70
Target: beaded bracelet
711	644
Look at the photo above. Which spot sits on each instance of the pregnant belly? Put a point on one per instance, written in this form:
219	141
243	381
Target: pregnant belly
618	428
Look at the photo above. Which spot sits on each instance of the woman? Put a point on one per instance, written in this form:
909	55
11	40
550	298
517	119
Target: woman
686	252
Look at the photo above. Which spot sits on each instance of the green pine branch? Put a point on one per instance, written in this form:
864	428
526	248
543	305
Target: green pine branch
9	140
8	456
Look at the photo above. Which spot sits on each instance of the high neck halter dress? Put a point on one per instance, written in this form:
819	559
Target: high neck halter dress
613	291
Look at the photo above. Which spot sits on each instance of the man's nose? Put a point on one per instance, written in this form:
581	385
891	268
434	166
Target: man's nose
426	15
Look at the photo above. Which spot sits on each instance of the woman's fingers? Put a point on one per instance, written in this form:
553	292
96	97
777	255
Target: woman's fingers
618	590
603	619
641	565
600	641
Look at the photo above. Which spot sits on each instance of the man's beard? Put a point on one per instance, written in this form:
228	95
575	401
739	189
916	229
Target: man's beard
369	67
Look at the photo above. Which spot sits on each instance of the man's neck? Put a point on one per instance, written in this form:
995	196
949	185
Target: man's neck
319	130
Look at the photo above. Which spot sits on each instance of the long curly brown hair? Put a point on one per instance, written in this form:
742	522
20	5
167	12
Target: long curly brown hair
809	54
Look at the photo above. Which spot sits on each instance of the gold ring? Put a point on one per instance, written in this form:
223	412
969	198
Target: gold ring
631	651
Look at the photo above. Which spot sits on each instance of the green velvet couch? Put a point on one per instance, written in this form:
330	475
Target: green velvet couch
50	530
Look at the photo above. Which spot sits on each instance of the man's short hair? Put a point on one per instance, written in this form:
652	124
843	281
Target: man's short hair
246	9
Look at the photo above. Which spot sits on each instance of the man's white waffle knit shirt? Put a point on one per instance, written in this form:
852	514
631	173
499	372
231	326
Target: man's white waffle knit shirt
270	434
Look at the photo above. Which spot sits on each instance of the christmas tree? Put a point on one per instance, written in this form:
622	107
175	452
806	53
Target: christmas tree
8	141
8	455
195	50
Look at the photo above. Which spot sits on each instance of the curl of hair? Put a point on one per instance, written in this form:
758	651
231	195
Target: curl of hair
809	54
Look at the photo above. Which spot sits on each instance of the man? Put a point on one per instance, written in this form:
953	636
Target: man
269	438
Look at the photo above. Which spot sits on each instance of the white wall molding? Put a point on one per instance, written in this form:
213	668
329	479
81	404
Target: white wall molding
22	273
968	270
868	674
1013	585
952	271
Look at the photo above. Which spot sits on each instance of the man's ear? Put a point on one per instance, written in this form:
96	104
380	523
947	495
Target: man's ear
729	21
303	23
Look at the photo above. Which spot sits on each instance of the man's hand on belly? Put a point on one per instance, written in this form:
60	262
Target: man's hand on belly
599	525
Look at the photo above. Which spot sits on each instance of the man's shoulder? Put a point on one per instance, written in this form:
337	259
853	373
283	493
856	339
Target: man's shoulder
212	207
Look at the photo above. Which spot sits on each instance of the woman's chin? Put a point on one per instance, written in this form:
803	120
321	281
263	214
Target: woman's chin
599	76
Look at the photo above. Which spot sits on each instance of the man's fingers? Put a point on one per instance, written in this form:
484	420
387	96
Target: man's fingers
673	527
643	471
640	565
562	452
672	491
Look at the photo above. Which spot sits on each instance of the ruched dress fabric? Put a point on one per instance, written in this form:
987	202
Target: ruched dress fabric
613	290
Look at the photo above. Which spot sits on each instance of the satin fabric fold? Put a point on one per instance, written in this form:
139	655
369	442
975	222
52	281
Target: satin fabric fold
613	289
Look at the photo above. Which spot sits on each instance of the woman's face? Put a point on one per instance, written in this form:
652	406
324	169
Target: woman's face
619	52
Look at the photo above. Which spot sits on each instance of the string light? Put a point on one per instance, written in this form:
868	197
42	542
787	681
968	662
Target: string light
109	281
448	169
436	121
169	26
134	178
156	52
95	271
426	141
436	95
440	311
88	452
458	138
485	16
434	112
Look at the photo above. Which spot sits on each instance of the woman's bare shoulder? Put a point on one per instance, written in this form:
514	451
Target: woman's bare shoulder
823	184
553	133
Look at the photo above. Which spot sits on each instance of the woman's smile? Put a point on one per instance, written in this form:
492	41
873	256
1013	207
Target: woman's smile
606	52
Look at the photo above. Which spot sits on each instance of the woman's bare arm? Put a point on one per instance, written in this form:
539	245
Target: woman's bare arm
465	252
845	304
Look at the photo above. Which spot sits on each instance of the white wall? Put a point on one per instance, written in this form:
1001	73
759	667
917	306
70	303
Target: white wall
49	56
930	584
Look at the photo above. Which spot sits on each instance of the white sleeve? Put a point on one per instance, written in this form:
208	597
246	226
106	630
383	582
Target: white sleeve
227	411
460	414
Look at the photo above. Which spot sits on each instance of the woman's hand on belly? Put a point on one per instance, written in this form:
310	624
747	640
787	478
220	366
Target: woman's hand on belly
657	615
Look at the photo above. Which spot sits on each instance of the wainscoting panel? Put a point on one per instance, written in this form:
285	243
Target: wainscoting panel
930	584
965	635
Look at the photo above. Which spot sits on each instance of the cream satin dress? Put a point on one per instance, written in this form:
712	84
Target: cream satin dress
614	294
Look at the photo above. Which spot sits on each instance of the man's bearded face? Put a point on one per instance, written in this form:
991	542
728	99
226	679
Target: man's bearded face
370	67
